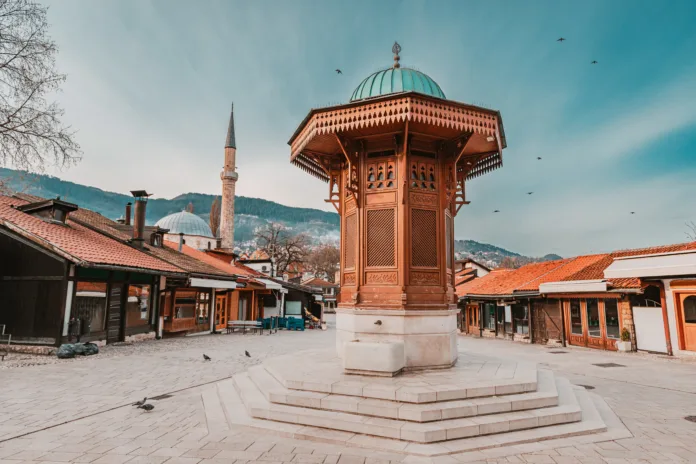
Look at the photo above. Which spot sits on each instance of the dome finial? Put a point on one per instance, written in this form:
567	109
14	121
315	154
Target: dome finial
396	48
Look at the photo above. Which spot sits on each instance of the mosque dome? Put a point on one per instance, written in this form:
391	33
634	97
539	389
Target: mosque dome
186	223
395	80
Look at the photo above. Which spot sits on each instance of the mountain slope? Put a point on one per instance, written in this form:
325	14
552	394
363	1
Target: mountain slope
250	213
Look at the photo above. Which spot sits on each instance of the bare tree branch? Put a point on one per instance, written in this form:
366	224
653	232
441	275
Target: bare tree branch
282	246
31	132
691	231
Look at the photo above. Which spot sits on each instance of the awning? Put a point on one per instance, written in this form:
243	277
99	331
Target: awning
271	285
664	265
212	283
574	286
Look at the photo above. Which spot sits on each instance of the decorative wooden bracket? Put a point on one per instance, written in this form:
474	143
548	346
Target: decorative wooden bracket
335	190
459	198
350	152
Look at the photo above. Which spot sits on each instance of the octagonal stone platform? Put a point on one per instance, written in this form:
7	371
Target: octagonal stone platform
478	404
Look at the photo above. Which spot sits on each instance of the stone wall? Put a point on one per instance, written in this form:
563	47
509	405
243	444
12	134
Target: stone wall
627	320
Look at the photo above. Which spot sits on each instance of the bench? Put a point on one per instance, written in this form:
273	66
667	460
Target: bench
252	326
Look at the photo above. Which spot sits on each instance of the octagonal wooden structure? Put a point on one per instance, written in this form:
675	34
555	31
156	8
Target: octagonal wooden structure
397	166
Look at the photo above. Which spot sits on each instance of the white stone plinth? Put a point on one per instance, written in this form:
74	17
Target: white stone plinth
429	337
374	358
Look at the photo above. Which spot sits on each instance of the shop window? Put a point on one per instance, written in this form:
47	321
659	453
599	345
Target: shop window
293	308
690	309
489	316
592	308
520	315
500	317
203	307
611	317
575	317
138	306
185	304
89	307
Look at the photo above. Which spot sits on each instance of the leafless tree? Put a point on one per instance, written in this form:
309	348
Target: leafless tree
31	132
691	231
214	218
189	207
283	247
323	261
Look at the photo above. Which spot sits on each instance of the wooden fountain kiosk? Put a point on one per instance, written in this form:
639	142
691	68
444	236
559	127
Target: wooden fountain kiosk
397	157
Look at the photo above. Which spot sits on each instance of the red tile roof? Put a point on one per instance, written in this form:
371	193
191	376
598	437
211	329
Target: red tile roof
317	282
589	267
76	242
208	259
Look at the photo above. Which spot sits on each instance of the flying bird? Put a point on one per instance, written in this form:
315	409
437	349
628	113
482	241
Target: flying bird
560	39
529	193
146	407
594	62
206	357
338	71
247	354
140	403
496	211
538	157
378	322
633	212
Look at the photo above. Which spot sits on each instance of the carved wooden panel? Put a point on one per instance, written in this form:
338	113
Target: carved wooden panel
424	278
380	198
349	279
423	238
423	176
350	204
349	245
380	278
380	175
578	340
423	199
381	238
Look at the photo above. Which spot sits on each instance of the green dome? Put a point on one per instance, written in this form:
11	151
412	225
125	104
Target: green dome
395	80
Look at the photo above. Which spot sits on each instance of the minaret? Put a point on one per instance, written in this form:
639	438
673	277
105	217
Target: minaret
229	181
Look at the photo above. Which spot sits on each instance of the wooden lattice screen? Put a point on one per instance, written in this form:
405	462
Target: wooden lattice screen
380	238
349	243
423	238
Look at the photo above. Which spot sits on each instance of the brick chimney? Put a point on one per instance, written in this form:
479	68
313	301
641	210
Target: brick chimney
128	214
139	216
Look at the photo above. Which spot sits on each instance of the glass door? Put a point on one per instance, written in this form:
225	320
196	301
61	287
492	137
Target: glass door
593	320
575	320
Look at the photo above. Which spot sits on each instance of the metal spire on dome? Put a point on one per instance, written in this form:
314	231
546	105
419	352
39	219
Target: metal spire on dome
231	142
396	48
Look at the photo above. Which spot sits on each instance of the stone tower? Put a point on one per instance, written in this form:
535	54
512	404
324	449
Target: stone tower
229	180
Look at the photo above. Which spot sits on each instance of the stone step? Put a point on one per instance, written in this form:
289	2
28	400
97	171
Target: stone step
568	410
274	392
520	378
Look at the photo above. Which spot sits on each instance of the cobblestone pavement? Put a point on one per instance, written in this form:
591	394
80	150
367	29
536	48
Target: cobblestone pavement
80	411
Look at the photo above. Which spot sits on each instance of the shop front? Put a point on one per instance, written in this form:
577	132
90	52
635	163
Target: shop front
593	322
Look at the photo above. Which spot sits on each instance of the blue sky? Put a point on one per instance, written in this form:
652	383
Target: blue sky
150	85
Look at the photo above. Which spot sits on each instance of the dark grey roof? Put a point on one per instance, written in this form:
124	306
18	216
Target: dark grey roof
231	142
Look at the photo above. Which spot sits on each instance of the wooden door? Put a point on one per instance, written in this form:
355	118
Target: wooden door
594	315
114	323
575	323
472	319
221	312
687	304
